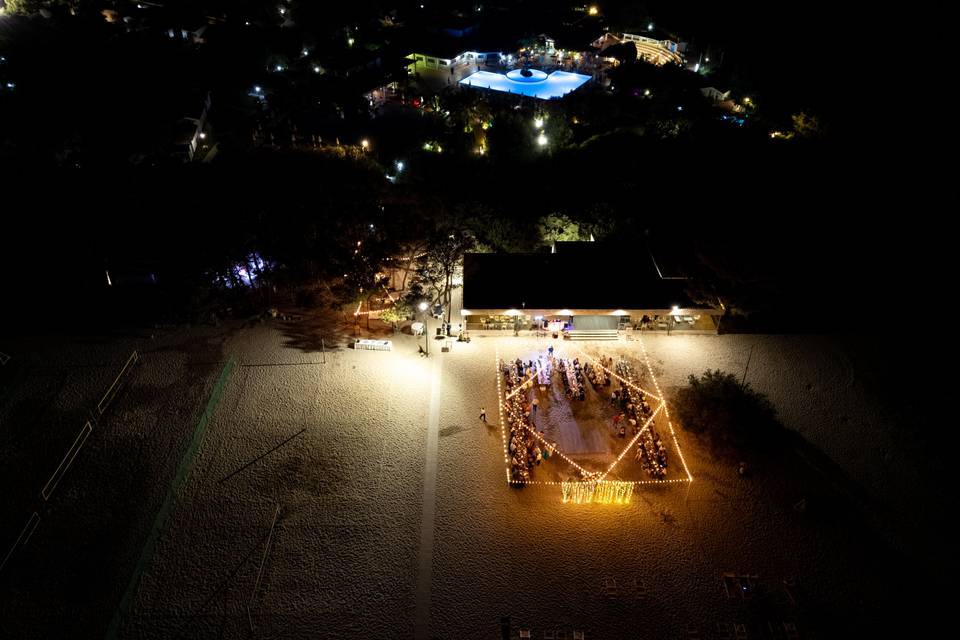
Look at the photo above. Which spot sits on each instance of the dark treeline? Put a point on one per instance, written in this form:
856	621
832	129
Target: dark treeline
784	236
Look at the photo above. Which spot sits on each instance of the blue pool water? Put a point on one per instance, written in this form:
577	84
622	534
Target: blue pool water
540	85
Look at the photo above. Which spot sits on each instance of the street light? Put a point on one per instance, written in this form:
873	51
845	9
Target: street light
365	144
542	140
426	327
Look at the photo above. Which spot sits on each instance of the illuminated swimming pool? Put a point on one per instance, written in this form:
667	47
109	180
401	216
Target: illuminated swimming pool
538	85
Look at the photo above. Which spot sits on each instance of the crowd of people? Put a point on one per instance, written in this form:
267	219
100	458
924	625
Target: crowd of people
544	371
525	447
528	447
651	453
598	376
572	376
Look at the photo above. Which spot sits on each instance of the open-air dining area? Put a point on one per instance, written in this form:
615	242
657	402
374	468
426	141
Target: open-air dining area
570	418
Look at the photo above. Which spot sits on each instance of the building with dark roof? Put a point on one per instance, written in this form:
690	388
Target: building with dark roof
584	286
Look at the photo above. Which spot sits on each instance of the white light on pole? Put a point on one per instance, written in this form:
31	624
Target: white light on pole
426	327
542	140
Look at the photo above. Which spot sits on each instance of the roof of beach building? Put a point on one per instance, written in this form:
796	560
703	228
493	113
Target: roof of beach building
577	276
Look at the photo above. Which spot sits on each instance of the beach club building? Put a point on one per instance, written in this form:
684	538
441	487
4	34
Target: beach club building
586	290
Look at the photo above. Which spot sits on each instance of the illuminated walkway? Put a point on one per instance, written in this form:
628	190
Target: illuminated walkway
421	627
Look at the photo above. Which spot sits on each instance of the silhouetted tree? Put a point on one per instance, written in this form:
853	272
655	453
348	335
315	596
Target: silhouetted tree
729	415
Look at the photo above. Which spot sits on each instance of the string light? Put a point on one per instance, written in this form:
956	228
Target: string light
532	483
503	435
633	441
594	490
626	382
532	431
599	492
666	410
523	385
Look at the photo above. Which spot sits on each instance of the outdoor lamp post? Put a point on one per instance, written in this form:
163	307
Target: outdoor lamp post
426	327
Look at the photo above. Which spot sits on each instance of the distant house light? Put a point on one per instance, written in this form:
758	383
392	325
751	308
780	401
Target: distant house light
465	312
675	311
564	312
511	312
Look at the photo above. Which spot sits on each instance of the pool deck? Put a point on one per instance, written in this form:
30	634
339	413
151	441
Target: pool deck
556	85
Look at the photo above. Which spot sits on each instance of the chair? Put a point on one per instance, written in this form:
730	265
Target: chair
578	635
524	633
790	588
640	589
609	587
740	631
730	585
724	631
